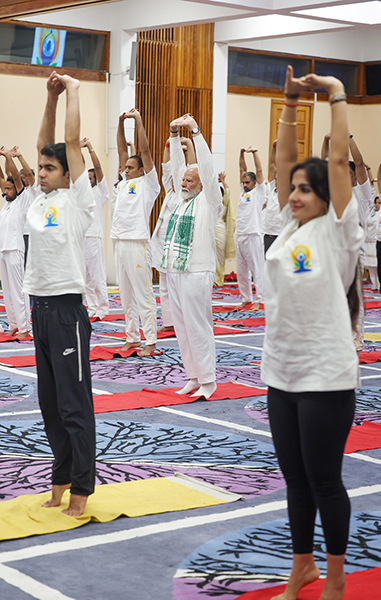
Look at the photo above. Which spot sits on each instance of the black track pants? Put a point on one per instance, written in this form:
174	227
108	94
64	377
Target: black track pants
62	331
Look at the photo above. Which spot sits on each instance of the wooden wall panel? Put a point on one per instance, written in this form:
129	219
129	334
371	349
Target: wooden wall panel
174	75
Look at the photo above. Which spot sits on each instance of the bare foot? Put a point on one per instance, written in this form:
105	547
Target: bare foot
166	328
129	345
243	305
57	493
22	335
304	571
333	589
147	350
255	306
76	506
13	332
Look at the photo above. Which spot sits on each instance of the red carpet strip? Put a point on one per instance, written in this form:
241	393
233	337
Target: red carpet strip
361	585
366	436
146	398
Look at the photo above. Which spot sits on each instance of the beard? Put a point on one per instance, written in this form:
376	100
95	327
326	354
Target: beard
189	194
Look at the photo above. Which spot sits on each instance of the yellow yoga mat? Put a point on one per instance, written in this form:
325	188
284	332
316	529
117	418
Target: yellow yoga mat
373	337
24	516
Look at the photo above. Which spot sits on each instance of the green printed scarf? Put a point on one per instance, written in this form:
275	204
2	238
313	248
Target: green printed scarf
182	227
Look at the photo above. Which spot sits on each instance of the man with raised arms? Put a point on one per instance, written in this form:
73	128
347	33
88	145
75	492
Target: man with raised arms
189	258
96	279
55	278
249	248
135	197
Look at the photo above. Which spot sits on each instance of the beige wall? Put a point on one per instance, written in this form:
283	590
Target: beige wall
248	123
22	105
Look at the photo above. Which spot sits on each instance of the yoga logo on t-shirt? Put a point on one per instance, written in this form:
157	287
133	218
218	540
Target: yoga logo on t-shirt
301	256
132	188
247	197
50	217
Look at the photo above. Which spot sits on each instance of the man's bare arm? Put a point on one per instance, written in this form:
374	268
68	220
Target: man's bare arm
15	153
85	143
48	125
242	163
361	173
325	147
121	142
72	126
257	162
272	170
11	168
2	181
145	152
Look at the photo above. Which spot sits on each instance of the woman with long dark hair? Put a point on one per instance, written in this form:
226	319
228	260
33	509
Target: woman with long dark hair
309	360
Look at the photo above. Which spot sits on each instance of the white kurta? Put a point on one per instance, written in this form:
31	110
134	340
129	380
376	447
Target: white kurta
190	292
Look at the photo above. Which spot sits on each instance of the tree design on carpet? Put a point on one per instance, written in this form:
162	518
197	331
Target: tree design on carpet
165	375
368	407
261	556
13	390
130	450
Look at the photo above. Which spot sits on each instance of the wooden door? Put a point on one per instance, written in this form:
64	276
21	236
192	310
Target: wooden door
304	127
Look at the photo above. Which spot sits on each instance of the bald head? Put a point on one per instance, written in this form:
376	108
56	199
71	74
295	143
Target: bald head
191	184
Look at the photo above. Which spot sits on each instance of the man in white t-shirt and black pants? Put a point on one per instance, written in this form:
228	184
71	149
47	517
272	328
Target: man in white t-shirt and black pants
136	195
96	280
55	278
249	249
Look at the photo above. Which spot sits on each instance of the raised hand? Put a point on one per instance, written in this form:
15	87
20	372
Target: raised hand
294	86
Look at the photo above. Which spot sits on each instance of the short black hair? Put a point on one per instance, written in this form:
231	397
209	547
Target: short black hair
10	179
250	174
138	159
57	151
352	165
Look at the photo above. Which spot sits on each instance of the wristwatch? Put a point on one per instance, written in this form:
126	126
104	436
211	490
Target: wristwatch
195	130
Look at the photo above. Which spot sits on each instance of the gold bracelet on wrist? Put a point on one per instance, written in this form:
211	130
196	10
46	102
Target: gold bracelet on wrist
287	122
339	97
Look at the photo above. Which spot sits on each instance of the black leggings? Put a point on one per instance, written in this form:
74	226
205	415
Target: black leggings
309	431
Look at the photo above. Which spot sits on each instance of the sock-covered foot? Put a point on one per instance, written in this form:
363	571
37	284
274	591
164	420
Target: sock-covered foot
206	390
192	385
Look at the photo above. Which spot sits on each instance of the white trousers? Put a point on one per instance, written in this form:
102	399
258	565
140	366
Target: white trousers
164	301
190	297
374	278
16	302
249	257
96	282
133	261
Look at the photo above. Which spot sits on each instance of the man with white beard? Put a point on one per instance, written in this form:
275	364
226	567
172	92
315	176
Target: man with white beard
189	258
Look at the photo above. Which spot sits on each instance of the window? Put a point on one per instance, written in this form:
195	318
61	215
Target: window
252	69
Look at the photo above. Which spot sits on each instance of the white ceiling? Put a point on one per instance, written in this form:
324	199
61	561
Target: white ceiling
342	29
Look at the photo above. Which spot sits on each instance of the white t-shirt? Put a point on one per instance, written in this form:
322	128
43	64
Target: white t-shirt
12	222
363	195
249	210
308	342
58	222
133	205
100	193
33	190
272	222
